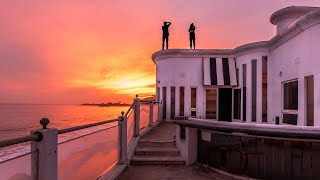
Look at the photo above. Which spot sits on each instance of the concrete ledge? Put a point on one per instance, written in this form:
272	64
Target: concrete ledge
190	53
253	129
113	173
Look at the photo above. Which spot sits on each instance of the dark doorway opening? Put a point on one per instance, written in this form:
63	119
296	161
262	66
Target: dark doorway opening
164	103
173	102
225	104
244	104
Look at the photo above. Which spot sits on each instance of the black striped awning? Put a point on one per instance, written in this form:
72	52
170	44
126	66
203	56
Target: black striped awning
219	71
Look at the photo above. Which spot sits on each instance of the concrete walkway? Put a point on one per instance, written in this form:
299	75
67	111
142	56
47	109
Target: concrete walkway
166	172
165	132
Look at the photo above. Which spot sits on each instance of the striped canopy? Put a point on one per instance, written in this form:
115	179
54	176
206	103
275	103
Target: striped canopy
219	71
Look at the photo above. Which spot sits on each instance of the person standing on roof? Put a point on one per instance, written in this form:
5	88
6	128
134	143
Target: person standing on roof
165	33
192	36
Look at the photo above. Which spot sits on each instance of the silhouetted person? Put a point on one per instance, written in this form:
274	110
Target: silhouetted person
192	36
165	33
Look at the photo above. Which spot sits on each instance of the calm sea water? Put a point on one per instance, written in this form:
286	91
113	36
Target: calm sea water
18	120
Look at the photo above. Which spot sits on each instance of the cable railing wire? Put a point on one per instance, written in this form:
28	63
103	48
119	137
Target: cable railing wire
38	136
62	131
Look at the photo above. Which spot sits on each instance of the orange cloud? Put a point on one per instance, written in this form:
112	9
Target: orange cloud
97	51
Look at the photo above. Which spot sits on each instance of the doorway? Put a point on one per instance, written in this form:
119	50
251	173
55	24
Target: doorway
211	104
225	104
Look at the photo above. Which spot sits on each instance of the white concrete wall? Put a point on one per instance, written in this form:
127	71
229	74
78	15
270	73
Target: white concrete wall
188	146
297	58
186	72
246	59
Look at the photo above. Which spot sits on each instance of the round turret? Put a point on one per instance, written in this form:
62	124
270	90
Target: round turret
287	16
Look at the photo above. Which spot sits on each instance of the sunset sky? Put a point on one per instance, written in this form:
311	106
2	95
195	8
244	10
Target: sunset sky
70	52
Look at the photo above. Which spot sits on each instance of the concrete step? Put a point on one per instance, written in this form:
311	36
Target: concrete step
157	144
157	151
157	160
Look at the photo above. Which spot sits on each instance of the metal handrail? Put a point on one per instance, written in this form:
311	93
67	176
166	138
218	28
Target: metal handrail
147	102
38	136
62	131
249	132
128	111
9	142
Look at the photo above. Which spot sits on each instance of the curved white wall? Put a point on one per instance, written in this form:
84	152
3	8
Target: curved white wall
297	58
284	24
295	54
177	72
246	59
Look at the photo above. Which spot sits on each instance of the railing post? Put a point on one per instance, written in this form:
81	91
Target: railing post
44	156
136	116
159	110
122	121
151	114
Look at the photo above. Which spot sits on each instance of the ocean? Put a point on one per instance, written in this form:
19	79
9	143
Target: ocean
20	119
82	154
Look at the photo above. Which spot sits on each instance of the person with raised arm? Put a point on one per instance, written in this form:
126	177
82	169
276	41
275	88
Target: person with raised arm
192	36
165	33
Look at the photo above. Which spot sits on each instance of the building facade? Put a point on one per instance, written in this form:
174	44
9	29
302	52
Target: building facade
272	82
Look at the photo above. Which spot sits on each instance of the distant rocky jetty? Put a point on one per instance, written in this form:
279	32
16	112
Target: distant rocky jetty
152	98
105	104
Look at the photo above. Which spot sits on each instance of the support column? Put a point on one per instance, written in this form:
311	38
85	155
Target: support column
122	122
136	116
44	156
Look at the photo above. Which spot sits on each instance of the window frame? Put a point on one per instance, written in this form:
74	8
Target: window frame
288	111
193	87
233	98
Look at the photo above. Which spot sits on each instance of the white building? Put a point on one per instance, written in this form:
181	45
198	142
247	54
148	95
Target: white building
261	82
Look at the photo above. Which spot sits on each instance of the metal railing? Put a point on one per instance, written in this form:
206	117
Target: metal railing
9	142
44	142
62	131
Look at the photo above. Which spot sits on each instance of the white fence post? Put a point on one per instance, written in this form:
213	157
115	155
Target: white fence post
44	156
151	114
122	121
136	116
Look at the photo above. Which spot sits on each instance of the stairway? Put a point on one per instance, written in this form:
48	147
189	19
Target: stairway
151	152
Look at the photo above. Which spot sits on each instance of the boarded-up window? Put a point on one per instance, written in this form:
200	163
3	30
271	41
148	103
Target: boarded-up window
164	103
244	92
310	100
236	103
264	89
254	90
290	102
173	102
193	97
181	104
